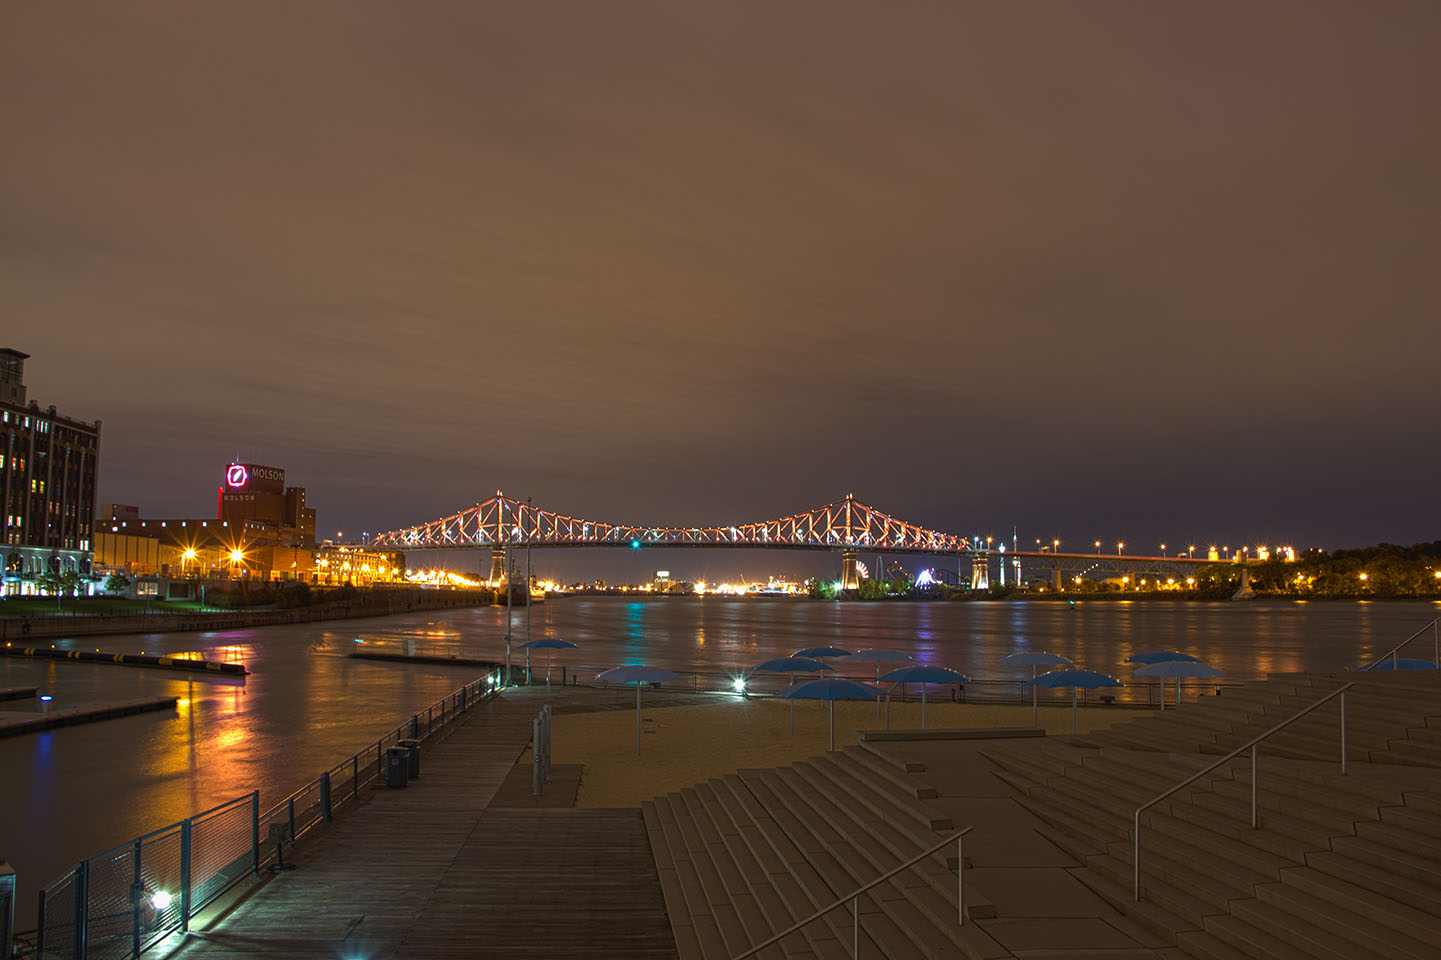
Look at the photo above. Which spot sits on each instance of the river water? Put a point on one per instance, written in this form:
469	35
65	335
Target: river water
74	792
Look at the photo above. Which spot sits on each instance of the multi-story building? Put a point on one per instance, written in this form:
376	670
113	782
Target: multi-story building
47	484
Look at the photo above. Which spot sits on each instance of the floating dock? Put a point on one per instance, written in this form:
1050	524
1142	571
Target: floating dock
128	660
14	724
415	658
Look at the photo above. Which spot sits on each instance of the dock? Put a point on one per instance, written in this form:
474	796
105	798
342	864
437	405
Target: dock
17	693
189	664
14	724
437	870
422	658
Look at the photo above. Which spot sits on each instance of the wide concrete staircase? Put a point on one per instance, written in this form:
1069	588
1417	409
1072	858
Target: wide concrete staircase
745	856
1340	866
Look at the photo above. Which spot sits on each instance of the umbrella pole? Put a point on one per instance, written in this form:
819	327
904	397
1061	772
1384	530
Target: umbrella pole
1163	695
888	699
1075	717
923	706
833	726
1178	691
547	673
1035	701
793	708
888	710
637	719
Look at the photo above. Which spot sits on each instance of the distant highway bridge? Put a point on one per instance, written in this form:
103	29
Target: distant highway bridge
847	526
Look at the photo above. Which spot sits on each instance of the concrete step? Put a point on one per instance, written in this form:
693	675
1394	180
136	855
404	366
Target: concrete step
1251	941
1423	800
1292	930
1400	838
1280	802
1208	853
891	773
884	797
1411	752
1277	835
1415	866
1280	787
1191	899
1153	915
1415	924
1206	946
891	758
1416	821
1377	879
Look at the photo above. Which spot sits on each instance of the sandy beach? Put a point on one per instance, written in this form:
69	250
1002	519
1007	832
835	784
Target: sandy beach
684	745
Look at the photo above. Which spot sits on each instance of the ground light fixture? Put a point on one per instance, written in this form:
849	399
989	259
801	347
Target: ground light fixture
739	684
160	900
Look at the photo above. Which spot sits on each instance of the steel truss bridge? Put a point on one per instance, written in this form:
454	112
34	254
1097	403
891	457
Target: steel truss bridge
848	526
502	520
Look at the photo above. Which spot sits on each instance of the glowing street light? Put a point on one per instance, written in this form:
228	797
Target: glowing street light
1098	548
1191	550
1163	550
1120	545
1055	546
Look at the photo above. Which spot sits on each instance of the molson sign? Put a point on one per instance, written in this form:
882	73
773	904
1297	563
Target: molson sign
254	478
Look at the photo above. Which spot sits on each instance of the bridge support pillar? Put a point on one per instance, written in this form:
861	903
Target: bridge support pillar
1057	579
497	564
981	572
850	576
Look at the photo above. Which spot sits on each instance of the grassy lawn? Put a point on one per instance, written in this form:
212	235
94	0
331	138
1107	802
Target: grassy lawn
89	606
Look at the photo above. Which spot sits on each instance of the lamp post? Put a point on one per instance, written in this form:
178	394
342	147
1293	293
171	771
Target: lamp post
1098	548
1120	545
1163	551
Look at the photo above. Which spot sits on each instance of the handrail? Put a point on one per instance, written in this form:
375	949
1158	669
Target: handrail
1434	626
960	887
1248	745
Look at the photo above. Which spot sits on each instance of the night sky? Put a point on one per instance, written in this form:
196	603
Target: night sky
1128	271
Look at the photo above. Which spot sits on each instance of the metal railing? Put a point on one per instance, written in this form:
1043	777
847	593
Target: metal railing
122	902
1251	745
1434	626
854	897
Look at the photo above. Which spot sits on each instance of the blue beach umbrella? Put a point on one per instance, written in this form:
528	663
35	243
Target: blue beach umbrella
1076	680
1403	663
792	666
833	689
547	644
1160	656
879	657
923	675
1033	660
1166	669
637	675
813	652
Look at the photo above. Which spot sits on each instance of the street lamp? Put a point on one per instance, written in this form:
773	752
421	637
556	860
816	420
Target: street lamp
1055	546
1191	550
1119	547
1098	548
1163	550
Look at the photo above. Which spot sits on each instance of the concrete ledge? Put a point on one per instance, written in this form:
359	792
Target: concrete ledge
955	733
18	693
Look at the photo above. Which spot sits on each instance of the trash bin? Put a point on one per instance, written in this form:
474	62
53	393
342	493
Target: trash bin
397	766
414	747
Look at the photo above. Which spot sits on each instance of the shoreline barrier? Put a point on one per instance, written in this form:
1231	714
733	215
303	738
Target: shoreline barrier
420	658
18	693
127	660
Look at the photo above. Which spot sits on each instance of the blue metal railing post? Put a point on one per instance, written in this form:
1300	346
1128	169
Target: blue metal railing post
137	896
255	833
185	875
325	795
82	906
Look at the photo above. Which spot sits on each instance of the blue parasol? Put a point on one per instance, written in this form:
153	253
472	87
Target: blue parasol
1076	680
833	689
923	675
1033	660
792	666
1167	669
547	644
637	675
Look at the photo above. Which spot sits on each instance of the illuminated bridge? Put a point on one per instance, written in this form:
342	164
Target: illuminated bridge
847	526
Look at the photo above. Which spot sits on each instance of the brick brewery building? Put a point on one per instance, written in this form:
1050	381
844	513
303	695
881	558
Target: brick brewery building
47	484
262	530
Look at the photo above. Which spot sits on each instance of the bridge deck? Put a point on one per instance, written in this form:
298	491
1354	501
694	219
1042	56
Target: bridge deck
430	871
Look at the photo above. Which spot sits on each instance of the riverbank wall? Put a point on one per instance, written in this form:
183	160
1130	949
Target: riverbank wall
379	603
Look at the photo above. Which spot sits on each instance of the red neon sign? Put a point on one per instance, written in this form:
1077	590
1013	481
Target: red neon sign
236	475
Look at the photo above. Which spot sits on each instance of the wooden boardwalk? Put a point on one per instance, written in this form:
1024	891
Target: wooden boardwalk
429	871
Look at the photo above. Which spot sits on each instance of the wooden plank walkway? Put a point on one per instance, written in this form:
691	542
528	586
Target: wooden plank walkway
429	871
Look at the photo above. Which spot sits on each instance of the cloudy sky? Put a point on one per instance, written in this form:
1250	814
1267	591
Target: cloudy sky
1096	270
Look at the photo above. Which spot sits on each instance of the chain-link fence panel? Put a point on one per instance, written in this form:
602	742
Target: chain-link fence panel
56	936
221	849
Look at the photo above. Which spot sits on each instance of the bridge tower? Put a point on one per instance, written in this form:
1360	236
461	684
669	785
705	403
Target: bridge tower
981	572
497	565
850	576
